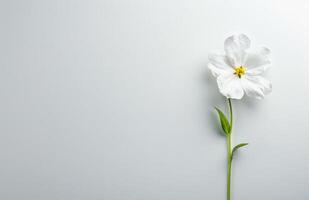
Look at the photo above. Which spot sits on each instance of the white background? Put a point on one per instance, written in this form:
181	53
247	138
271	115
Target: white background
112	100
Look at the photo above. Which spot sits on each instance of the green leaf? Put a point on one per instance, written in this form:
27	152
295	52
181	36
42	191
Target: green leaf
224	122
237	147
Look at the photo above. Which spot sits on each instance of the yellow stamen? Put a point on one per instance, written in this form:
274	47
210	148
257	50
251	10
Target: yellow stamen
239	71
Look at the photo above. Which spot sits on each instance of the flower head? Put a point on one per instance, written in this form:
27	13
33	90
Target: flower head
239	71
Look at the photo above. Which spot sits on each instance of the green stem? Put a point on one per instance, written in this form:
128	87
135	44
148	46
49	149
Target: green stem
229	173
231	113
229	152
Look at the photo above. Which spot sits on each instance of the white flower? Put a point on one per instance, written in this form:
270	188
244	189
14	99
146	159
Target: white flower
239	71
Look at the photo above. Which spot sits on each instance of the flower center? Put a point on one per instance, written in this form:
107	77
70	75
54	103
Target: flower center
239	71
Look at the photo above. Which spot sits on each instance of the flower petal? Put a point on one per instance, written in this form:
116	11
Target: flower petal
235	47
230	86
218	64
256	86
257	62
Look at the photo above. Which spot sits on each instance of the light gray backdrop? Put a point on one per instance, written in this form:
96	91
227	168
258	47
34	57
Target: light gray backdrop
112	100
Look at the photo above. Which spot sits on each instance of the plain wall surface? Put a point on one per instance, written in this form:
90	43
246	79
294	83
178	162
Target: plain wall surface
112	100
